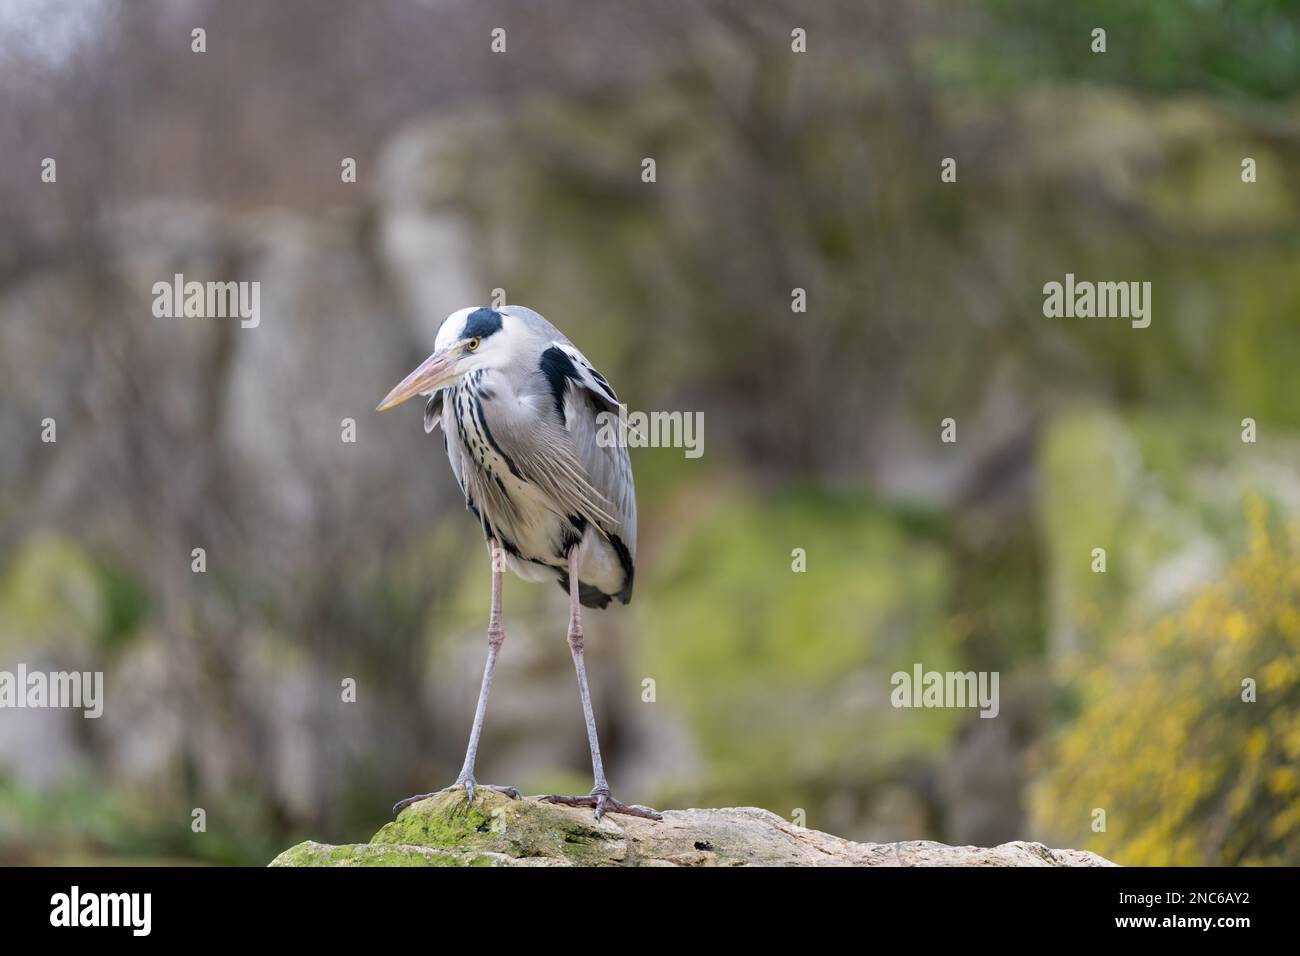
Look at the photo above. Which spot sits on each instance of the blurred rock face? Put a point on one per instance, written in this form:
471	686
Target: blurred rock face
185	433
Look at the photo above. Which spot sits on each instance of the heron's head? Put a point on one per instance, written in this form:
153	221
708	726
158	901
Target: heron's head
468	340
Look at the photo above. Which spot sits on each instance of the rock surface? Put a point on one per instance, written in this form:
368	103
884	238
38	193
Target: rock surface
498	831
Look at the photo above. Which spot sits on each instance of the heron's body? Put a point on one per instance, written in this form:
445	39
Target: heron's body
521	441
520	409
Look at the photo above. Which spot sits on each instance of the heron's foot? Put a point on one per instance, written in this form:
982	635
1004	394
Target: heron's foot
602	802
468	784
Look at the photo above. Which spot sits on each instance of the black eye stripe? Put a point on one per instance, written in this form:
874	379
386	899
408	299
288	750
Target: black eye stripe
481	323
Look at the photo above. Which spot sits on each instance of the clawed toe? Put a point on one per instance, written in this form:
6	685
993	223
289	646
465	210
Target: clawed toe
603	803
469	786
401	805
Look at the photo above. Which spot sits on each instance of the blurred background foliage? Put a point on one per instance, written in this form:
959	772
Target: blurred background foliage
775	171
1209	779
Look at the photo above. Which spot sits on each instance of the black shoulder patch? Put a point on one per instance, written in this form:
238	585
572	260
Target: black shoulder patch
558	369
481	323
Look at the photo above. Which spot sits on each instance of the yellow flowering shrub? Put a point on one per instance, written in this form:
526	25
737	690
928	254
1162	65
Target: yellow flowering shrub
1167	740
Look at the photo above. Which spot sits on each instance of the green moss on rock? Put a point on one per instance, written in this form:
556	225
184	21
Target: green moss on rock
496	823
498	831
369	854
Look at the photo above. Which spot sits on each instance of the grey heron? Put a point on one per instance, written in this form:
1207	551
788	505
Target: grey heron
518	404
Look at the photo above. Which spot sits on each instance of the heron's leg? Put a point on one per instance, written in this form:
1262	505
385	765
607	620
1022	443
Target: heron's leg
599	797
496	635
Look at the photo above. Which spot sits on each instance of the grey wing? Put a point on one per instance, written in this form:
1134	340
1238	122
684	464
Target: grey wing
591	455
592	419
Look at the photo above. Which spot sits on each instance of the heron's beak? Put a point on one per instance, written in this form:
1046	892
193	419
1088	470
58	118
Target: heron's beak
433	373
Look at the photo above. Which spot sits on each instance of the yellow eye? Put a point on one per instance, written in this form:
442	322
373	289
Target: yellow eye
472	344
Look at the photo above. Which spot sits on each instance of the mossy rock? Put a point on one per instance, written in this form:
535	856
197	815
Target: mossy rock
495	823
311	853
499	831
